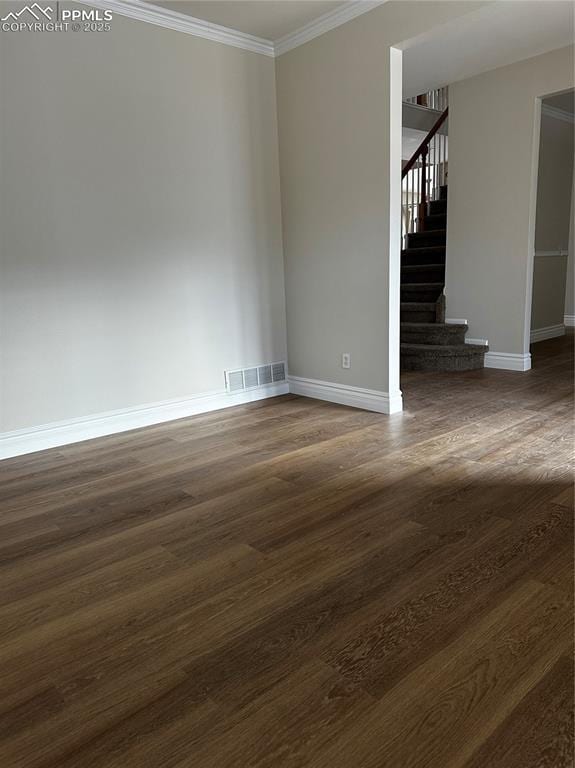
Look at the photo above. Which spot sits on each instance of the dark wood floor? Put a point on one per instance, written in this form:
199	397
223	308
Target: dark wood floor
294	583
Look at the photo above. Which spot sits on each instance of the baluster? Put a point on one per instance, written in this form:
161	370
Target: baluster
439	166
412	193
405	209
424	174
433	170
423	189
408	217
419	194
411	182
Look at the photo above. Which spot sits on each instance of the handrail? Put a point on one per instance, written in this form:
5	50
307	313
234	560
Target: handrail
422	149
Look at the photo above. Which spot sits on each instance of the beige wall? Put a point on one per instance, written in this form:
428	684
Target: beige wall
493	142
555	181
339	160
141	238
141	225
549	283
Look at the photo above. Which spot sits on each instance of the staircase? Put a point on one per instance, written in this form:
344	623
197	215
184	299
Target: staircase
428	343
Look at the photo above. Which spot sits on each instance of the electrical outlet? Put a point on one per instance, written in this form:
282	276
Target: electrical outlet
346	360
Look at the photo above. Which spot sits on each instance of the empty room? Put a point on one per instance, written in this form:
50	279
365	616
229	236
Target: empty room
286	383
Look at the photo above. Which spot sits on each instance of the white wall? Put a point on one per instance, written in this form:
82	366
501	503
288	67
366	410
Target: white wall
141	228
339	102
493	150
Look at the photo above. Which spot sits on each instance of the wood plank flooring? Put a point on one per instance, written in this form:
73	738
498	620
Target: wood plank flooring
294	583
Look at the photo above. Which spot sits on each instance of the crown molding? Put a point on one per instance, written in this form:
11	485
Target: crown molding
181	22
558	114
324	23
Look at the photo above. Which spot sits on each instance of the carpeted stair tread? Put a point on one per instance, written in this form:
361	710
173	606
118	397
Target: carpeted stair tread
421	292
419	305
424	249
422	273
446	326
437	207
435	222
415	268
442	357
443	350
421	256
432	238
423	286
424	312
432	332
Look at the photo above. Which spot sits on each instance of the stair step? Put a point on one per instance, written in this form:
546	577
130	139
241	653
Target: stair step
435	221
442	357
433	333
422	273
426	239
437	207
430	254
443	192
415	292
418	312
444	350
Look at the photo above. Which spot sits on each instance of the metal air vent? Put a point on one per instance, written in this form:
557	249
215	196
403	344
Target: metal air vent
278	371
241	379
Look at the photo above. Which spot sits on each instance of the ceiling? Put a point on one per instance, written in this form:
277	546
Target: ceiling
489	35
270	19
563	101
497	34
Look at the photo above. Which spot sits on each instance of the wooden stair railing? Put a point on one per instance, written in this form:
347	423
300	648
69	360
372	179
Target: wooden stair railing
419	173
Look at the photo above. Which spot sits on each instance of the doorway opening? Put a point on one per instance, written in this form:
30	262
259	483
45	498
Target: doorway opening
552	293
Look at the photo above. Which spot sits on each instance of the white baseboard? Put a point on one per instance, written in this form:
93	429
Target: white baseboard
508	361
356	397
24	441
481	342
61	433
569	321
549	332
